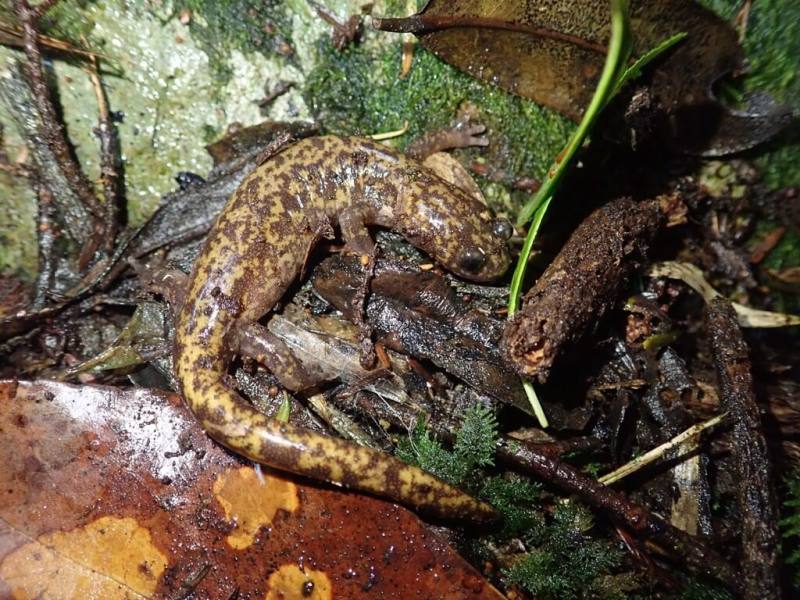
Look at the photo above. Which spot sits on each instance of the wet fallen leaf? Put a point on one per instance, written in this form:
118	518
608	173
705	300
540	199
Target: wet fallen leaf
694	278
111	493
552	51
142	339
108	558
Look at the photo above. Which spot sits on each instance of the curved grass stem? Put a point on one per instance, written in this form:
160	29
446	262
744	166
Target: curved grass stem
618	52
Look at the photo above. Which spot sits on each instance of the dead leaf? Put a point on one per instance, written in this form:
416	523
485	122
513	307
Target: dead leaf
142	340
766	245
111	493
789	276
110	558
694	278
552	51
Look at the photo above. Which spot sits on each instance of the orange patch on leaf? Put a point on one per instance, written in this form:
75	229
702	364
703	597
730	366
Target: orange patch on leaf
252	502
111	558
289	582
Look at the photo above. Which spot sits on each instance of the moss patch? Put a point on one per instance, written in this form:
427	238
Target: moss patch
359	90
17	228
772	44
243	25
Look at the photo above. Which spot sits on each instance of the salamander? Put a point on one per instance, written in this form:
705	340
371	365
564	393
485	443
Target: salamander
258	247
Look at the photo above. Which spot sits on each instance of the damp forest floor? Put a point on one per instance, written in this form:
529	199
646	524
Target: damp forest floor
183	74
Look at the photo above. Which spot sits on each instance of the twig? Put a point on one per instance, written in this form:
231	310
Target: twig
53	131
656	453
12	36
581	284
340	421
694	278
72	215
422	24
278	91
759	514
387	135
46	233
343	32
55	134
694	552
111	173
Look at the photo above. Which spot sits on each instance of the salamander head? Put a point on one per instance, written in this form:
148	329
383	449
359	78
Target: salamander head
456	229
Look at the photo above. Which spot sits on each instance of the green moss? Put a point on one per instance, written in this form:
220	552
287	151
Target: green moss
427	452
565	562
698	590
772	45
517	499
244	25
18	253
474	448
69	20
359	90
790	524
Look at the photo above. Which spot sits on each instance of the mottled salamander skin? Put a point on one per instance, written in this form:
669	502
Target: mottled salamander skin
258	247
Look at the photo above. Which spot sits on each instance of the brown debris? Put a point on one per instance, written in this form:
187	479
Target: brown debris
765	246
273	94
111	170
418	313
581	284
11	35
759	515
344	32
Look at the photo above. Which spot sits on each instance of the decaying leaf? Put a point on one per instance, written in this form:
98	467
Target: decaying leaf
552	51
142	339
110	558
693	277
111	494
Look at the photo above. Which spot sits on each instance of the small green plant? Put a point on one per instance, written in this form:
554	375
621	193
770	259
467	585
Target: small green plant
564	561
791	526
698	590
474	447
517	499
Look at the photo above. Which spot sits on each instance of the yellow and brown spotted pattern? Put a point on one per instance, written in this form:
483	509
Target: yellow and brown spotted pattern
258	247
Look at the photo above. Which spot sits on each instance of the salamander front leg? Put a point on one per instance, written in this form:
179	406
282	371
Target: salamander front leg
352	222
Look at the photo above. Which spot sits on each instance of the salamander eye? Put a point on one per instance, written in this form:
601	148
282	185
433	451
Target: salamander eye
471	259
502	229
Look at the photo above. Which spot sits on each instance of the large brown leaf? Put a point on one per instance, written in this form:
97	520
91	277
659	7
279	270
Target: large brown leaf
552	51
110	493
